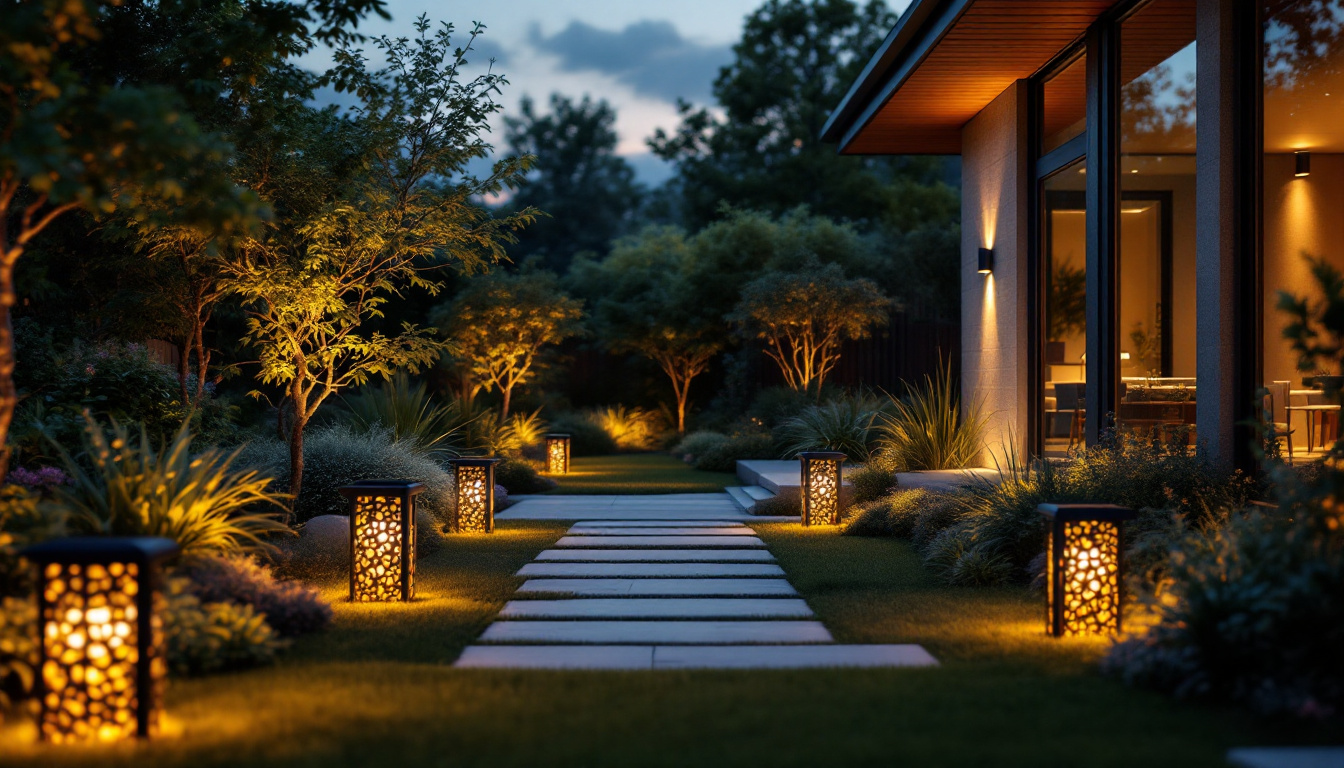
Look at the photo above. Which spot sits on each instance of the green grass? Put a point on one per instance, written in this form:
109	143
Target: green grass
375	689
639	473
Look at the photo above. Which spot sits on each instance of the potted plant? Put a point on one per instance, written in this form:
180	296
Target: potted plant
1065	309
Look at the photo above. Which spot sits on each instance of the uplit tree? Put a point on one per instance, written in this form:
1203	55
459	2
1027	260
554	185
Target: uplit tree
311	293
645	301
501	323
803	316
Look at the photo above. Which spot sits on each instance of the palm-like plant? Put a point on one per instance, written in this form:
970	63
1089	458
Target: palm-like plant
844	424
925	429
201	502
633	429
436	429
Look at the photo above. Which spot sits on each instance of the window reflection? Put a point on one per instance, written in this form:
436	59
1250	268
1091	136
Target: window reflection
1064	260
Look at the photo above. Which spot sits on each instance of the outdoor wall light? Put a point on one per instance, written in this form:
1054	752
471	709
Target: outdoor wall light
986	261
821	486
1083	569
475	481
382	540
101	659
1302	160
557	453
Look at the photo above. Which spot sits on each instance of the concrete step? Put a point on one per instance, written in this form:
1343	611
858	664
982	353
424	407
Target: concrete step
758	493
741	498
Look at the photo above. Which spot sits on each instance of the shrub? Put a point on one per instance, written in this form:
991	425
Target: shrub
25	519
631	429
519	476
439	430
939	512
695	444
894	514
776	506
18	650
775	405
925	430
491	435
334	456
844	424
211	637
290	607
724	457
200	501
586	438
871	482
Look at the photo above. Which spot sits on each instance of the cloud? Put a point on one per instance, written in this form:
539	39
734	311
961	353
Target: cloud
650	56
485	49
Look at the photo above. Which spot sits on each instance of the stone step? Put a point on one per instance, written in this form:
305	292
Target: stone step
650	570
656	524
659	541
658	608
595	530
645	587
656	556
641	657
740	497
657	632
758	493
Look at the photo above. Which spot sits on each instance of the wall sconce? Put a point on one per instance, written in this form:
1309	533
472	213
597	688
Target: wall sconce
1083	571
101	659
557	453
1302	159
821	486
986	261
382	540
475	481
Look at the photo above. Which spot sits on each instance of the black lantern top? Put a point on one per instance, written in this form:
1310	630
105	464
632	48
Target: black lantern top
1068	513
103	549
557	435
473	462
822	456
366	487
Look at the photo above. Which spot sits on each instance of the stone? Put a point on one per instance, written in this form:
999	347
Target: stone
323	543
790	656
657	608
590	530
656	524
660	587
656	632
656	555
556	657
649	570
659	541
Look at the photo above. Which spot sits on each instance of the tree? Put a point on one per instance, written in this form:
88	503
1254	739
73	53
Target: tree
588	190
500	324
646	302
803	316
312	290
793	65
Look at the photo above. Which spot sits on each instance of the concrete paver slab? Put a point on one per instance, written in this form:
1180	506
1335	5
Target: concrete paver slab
659	541
556	657
658	608
660	587
790	656
593	530
656	632
656	555
649	570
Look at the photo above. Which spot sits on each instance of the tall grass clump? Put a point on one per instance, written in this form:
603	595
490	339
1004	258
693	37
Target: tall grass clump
844	424
125	487
492	435
411	416
925	429
632	429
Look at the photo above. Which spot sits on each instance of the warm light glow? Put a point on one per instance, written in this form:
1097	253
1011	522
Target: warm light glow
1083	568
557	454
92	653
821	487
1302	163
379	558
475	495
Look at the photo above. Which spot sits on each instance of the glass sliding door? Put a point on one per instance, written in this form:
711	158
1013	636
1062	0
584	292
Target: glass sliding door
1064	310
1155	291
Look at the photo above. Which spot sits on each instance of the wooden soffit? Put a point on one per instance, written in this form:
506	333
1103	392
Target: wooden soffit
982	51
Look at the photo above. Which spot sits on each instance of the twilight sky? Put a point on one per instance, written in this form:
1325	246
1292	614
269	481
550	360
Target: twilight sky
639	55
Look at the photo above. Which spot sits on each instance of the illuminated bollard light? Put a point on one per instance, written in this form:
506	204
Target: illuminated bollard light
557	453
1084	568
101	665
382	539
821	486
475	483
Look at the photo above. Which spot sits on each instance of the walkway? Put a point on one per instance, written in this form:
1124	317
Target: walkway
670	506
670	584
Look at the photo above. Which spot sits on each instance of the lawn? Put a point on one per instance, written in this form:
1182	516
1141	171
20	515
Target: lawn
639	473
376	689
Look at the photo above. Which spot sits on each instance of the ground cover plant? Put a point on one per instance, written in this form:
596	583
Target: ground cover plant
639	473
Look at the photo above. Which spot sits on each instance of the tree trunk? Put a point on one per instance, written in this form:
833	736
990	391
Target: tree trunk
9	396
296	461
508	395
682	390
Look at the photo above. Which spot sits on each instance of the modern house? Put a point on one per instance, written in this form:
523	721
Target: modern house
1140	180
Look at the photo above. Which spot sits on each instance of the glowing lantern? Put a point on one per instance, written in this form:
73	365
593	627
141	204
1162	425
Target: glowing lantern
1083	574
475	481
821	487
102	661
557	454
382	540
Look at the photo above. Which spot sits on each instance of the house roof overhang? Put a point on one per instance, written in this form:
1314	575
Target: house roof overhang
945	61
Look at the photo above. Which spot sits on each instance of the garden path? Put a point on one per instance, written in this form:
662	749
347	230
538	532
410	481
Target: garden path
670	584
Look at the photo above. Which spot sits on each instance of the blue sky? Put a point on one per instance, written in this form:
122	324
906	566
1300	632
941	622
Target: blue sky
640	55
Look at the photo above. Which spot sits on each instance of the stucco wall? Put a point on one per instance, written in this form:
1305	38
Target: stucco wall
994	307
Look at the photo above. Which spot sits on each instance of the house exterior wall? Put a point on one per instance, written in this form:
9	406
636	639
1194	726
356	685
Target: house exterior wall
994	311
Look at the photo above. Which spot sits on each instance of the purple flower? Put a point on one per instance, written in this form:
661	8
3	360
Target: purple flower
45	478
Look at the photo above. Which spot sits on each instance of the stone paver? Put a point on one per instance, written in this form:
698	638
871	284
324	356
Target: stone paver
661	587
585	524
1287	757
594	530
677	507
659	541
656	555
556	657
649	570
658	608
656	632
790	656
